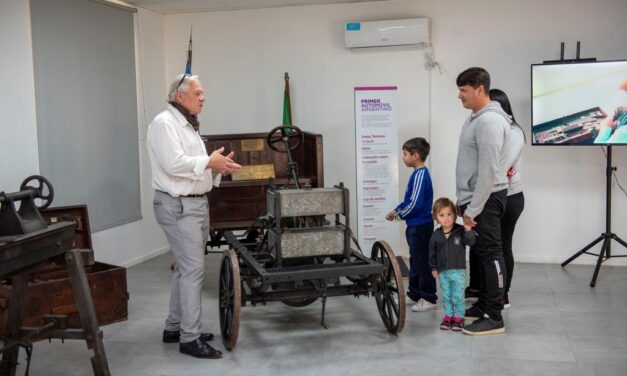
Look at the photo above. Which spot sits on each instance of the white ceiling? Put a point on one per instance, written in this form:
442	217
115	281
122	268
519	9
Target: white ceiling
187	6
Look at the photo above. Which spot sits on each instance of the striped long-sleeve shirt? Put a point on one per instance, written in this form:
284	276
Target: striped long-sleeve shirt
416	207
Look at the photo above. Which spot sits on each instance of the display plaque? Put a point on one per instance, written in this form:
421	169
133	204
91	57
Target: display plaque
262	171
253	145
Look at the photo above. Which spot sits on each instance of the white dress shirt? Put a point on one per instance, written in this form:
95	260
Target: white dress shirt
178	157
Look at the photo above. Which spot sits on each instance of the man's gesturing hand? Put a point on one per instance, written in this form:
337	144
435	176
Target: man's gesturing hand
221	163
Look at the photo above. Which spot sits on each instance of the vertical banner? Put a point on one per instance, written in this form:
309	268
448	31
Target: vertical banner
376	145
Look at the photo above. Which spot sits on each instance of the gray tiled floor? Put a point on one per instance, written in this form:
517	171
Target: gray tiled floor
558	325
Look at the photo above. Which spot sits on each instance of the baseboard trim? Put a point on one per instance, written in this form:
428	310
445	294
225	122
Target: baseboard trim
147	256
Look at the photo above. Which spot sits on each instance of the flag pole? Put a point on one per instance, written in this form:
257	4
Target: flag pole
188	65
287	106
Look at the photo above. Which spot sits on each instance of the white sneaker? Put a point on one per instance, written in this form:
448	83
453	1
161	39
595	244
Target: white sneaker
423	305
410	301
506	303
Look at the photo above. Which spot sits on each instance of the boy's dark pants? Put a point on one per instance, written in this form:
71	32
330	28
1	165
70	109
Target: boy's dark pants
421	281
488	263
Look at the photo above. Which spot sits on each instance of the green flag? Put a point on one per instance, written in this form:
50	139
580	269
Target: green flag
287	107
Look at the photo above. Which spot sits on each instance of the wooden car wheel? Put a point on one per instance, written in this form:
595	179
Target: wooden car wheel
230	299
390	294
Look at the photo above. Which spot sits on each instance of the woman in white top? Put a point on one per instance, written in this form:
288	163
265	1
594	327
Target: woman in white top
515	197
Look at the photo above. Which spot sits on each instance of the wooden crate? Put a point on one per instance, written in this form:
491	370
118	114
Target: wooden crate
49	289
77	214
237	203
50	292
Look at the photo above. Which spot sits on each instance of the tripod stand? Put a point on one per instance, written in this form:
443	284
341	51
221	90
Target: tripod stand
608	235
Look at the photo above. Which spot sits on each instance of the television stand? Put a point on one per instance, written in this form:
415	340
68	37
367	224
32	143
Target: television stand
605	253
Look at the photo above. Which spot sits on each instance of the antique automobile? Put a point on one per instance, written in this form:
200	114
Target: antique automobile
289	238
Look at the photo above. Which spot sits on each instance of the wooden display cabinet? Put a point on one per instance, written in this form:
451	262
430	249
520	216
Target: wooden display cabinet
236	204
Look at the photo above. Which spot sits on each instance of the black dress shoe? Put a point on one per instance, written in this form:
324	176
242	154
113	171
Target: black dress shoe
173	336
199	349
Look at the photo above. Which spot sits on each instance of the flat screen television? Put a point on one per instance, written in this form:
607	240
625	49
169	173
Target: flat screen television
580	103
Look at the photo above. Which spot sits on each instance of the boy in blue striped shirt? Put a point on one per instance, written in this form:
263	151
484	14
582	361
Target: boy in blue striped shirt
415	210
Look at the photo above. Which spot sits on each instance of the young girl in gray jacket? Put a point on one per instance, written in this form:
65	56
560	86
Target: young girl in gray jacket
447	259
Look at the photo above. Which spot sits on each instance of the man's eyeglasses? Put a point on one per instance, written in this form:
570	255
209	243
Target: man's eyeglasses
181	81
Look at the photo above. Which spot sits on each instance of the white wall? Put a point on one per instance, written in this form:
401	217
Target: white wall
564	186
18	126
123	245
241	56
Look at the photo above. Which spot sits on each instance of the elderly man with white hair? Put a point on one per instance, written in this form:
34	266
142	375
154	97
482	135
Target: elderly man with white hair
182	174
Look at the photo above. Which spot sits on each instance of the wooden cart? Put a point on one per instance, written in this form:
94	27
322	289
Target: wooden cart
289	237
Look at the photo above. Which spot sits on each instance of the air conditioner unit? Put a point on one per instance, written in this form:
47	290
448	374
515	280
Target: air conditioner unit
412	31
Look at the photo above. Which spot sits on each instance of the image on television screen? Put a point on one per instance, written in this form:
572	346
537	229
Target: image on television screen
579	103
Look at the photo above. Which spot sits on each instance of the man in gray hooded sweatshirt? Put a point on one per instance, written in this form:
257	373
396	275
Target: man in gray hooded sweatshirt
481	180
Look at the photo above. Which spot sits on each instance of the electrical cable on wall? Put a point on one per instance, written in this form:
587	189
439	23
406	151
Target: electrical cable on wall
429	64
430	61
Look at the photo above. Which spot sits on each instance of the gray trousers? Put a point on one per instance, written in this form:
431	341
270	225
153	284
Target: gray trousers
185	221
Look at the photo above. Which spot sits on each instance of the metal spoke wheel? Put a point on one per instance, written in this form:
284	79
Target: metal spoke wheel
42	189
390	292
285	138
230	299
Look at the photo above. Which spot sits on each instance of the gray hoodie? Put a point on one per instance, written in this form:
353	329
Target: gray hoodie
481	158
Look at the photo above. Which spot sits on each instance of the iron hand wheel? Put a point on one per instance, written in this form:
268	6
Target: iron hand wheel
41	185
290	136
230	299
390	294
